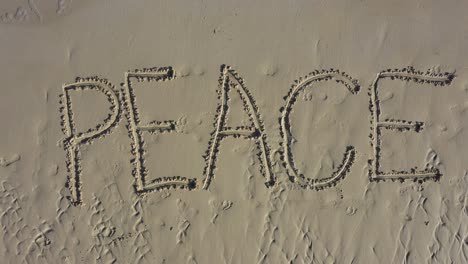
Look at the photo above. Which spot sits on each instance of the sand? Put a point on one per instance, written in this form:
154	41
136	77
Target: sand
233	131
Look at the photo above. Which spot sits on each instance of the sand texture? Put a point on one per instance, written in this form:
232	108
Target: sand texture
233	131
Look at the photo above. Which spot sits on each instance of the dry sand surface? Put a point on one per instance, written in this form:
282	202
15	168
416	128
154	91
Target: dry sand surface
233	131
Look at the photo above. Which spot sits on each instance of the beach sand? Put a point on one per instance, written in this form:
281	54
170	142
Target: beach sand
233	131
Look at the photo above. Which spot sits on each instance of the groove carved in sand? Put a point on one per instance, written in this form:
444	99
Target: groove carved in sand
136	129
74	138
229	79
406	74
287	156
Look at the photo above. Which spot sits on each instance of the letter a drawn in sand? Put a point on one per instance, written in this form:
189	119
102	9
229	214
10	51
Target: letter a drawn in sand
230	80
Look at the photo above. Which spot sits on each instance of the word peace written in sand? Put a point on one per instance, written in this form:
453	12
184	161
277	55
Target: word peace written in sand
124	102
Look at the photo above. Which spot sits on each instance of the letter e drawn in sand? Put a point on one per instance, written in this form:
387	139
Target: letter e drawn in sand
75	138
136	129
230	80
408	74
285	131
